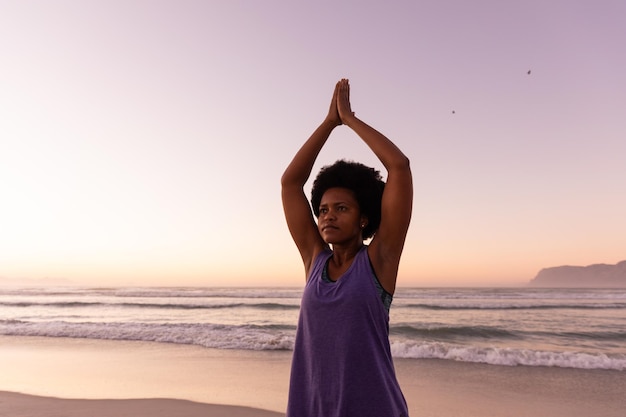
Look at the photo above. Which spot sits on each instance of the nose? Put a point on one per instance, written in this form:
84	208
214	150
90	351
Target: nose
330	214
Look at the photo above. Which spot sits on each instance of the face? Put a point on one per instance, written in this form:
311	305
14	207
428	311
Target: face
340	217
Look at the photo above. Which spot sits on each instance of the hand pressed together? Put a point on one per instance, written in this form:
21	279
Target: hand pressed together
333	113
343	101
340	111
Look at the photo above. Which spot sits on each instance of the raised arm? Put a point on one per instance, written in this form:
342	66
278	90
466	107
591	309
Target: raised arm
386	246
298	213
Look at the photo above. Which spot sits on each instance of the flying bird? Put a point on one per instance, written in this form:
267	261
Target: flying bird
528	72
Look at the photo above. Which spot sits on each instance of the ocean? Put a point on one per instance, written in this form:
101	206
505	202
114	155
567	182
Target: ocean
572	328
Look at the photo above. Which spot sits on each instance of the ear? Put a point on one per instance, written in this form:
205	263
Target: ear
364	221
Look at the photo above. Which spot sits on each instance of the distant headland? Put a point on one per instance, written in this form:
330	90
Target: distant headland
591	276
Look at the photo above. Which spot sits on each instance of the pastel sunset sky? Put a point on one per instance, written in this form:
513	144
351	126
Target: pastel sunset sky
142	142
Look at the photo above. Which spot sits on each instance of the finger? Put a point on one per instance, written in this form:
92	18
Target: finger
344	86
345	90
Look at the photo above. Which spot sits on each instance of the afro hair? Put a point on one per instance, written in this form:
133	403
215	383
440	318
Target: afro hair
365	182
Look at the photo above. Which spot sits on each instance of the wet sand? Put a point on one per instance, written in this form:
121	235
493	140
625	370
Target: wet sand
67	375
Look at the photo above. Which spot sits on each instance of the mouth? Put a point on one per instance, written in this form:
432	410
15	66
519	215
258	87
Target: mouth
328	226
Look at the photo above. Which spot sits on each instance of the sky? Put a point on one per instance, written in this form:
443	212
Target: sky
142	142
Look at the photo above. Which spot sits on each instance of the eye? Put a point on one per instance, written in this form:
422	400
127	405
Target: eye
323	210
342	208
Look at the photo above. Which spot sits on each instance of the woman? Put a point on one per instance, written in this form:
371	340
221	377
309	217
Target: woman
342	365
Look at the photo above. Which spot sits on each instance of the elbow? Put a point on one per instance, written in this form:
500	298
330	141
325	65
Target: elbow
289	180
401	164
400	169
286	179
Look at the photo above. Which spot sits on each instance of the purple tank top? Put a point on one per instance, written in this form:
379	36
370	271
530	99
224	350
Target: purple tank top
342	365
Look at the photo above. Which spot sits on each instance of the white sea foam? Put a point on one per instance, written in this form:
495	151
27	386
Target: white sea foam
507	356
272	338
206	335
532	327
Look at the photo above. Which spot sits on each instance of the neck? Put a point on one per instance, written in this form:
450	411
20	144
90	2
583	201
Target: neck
342	254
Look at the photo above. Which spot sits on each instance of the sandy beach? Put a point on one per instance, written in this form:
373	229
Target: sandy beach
15	404
80	377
